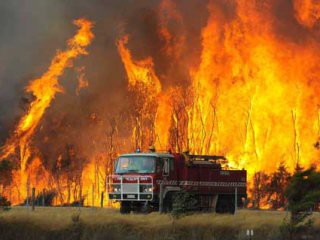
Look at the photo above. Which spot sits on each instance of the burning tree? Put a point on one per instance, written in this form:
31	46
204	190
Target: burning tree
260	189
179	139
279	181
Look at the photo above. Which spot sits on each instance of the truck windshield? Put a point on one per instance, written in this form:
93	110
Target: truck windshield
135	164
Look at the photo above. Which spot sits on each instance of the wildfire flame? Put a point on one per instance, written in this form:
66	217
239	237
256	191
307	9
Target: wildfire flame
138	71
142	72
255	96
252	93
44	90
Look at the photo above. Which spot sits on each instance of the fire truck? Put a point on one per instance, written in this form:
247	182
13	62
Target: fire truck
145	182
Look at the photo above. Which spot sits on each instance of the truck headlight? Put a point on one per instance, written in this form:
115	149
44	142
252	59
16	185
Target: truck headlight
147	189
116	189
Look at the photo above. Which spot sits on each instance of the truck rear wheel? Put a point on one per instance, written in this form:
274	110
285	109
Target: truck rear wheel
125	208
225	204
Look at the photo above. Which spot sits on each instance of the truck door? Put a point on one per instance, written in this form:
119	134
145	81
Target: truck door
169	173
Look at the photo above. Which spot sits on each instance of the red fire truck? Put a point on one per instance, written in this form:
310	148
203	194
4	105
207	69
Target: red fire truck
145	182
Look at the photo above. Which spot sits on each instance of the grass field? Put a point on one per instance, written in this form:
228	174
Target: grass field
95	223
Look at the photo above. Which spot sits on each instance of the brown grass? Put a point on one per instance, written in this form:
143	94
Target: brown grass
96	223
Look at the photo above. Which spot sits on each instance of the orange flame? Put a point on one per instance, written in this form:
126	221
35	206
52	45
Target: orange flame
255	99
143	72
44	90
255	95
138	71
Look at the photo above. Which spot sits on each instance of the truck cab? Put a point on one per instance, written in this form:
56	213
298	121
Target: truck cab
135	183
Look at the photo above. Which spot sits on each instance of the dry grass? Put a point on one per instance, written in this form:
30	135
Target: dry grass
95	223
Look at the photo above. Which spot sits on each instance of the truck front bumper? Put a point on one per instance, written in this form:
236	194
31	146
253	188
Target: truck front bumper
130	197
130	188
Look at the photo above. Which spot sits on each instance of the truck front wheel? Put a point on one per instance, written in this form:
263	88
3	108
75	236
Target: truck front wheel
145	208
125	208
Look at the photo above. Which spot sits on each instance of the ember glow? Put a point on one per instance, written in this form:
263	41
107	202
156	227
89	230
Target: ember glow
250	90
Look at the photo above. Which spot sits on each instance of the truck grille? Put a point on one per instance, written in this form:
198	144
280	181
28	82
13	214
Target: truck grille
130	188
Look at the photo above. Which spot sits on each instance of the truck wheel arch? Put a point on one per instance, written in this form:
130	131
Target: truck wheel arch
170	189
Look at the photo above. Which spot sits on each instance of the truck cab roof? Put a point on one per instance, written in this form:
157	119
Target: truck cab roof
150	154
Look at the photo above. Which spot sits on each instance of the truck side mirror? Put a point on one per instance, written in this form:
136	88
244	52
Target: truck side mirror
115	165
165	167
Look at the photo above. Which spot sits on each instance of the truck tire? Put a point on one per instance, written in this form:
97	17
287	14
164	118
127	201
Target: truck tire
145	208
167	203
125	208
